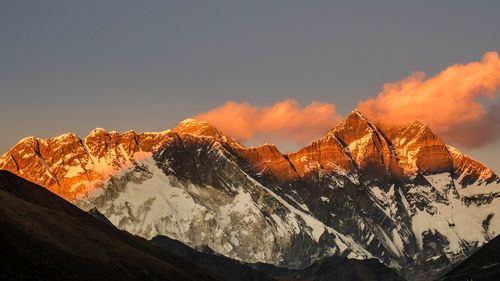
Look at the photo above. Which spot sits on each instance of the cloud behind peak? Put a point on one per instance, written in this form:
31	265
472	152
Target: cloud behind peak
459	103
284	121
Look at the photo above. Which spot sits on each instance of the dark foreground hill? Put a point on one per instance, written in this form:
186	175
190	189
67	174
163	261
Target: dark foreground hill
43	237
334	268
483	265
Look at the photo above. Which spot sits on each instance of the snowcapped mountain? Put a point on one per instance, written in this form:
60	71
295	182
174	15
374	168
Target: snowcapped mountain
399	194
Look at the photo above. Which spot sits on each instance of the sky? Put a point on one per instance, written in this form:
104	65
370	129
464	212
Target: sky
71	66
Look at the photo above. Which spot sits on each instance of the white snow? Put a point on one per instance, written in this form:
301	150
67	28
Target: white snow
441	182
153	200
455	220
395	244
398	242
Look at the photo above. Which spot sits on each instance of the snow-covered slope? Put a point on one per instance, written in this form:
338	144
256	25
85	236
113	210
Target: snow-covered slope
241	219
399	194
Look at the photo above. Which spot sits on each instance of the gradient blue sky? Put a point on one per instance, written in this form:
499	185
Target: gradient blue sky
145	65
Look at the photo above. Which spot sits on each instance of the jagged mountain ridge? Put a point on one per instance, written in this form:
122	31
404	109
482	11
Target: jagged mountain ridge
362	190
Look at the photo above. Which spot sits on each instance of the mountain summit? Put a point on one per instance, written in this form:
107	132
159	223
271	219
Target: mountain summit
197	127
396	193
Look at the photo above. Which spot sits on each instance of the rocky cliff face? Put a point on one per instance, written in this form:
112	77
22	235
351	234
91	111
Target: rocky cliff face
399	194
419	150
468	171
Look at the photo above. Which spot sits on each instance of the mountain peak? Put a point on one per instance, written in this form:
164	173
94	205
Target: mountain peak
355	121
409	132
191	122
97	132
30	138
65	136
367	146
418	126
357	114
197	127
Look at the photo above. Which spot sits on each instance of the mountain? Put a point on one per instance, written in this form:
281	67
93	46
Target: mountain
43	237
483	265
364	190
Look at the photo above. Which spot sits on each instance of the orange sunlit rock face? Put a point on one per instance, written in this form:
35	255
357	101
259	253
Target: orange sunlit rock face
268	160
419	149
368	146
469	169
355	144
327	153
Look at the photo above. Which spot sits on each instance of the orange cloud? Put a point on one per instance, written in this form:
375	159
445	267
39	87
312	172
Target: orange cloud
285	121
459	103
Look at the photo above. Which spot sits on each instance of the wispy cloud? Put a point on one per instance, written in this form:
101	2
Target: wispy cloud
284	121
